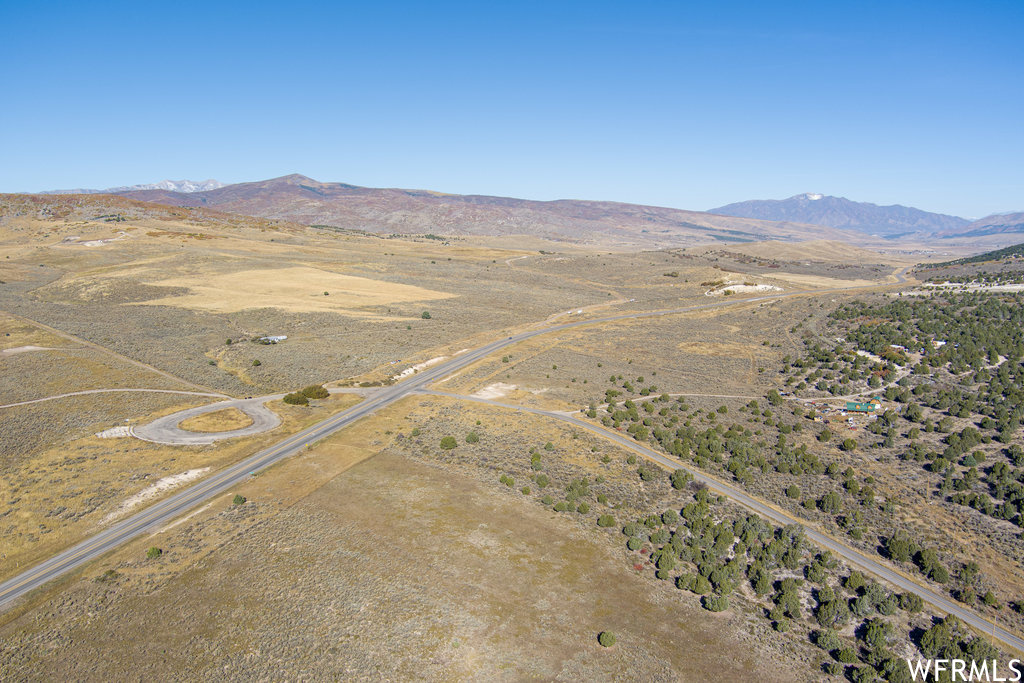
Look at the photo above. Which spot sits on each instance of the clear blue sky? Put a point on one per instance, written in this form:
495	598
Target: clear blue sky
682	104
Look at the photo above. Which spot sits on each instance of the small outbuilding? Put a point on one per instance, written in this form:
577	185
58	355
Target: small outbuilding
871	406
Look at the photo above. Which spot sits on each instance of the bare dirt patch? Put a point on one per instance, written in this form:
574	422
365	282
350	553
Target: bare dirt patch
410	371
154	490
815	281
496	390
17	334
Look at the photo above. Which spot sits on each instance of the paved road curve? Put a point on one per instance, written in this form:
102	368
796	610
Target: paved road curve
165	429
163	511
778	516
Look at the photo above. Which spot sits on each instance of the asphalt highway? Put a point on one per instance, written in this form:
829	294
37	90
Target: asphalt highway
851	555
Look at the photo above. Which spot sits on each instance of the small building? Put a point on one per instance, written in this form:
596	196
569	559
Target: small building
938	343
272	339
871	406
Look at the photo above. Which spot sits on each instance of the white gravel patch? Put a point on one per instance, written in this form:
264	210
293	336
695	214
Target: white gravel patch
154	490
409	372
493	391
24	349
115	432
741	289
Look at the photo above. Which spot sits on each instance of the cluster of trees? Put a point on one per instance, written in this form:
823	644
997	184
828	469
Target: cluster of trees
899	547
1005	483
949	639
981	368
978	328
743	452
576	495
956	408
711	556
838	371
303	396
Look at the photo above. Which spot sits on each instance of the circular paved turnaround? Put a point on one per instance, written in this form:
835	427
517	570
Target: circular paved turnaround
165	430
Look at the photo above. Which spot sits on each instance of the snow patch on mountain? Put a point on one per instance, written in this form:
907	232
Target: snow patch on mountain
186	186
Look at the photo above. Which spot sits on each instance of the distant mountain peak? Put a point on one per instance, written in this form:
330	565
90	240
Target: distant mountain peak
177	186
839	212
184	186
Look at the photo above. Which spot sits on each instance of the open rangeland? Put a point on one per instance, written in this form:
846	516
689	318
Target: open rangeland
394	567
372	538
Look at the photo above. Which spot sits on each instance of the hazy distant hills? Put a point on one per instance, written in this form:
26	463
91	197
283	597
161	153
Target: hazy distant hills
299	199
838	212
998	224
384	211
184	186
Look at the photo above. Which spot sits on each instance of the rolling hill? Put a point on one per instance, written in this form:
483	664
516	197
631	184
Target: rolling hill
1006	254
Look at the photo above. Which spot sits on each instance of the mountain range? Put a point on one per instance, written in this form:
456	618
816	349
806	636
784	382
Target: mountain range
300	199
183	186
889	222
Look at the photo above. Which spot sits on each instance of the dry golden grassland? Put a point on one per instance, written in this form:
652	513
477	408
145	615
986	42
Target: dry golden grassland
16	333
296	289
718	351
